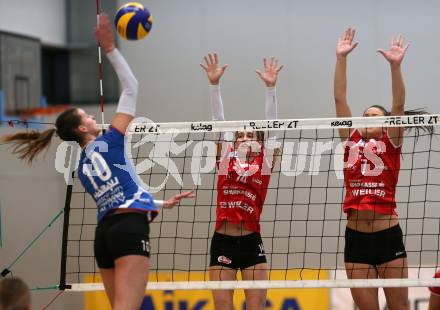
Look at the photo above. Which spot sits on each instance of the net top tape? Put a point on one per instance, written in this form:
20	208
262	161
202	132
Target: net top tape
285	124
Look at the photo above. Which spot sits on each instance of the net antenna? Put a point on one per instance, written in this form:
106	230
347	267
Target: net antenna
101	89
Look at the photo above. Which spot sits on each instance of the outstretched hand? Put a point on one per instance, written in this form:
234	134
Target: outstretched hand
104	33
345	43
212	68
397	50
270	73
177	198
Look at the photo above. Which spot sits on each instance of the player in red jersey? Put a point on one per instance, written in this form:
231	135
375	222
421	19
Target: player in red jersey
373	238
434	300
244	168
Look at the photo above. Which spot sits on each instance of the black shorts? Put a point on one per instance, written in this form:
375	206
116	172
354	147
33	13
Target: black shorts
237	252
374	248
120	235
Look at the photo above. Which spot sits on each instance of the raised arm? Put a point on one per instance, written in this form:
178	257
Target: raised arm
344	47
126	109
214	72
395	56
269	76
174	200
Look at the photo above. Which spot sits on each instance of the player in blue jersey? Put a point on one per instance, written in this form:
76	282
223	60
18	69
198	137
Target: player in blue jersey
121	245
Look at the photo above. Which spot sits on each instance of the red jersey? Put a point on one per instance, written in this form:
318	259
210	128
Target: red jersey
242	191
436	289
371	172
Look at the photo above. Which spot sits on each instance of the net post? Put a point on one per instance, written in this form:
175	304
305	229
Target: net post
63	267
62	285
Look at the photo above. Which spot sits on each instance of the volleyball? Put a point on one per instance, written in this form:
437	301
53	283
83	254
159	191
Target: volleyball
133	21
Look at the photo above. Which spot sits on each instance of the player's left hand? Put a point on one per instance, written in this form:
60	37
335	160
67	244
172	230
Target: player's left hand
177	198
396	52
270	73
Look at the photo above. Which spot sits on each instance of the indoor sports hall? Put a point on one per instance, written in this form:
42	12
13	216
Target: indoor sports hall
241	154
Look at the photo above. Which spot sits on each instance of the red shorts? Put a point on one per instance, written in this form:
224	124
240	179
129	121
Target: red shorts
436	290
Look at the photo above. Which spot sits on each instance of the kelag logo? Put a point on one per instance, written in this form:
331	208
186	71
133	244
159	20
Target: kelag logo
341	123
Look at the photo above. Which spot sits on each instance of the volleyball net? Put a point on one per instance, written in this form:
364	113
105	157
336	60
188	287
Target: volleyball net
302	223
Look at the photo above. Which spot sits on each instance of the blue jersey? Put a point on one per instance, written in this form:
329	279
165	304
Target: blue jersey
109	178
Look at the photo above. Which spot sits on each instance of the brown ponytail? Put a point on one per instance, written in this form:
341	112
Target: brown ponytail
419	111
27	145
